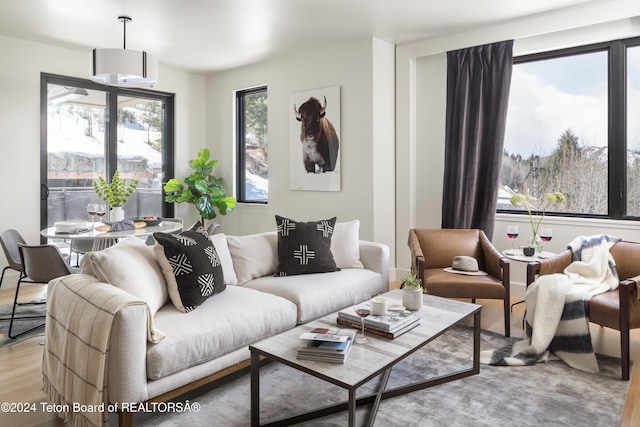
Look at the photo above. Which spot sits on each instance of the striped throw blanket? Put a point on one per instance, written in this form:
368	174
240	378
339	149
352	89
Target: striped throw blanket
557	304
74	364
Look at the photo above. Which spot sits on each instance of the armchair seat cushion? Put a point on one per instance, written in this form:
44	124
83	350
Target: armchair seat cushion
451	285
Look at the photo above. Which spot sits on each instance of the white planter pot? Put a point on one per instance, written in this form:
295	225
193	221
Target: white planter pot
117	214
412	298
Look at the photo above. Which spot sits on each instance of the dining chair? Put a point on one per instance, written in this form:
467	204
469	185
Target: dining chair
10	239
40	264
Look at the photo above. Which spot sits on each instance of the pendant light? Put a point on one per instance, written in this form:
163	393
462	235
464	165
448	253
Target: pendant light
122	67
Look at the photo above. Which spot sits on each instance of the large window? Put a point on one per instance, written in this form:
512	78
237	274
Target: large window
80	143
573	127
252	146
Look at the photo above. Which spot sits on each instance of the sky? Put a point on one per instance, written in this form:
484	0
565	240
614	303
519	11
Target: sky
549	97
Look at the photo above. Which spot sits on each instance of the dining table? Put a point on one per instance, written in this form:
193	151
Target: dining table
103	238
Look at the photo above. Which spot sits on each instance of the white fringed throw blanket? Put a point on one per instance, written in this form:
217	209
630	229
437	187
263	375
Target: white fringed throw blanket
557	304
74	365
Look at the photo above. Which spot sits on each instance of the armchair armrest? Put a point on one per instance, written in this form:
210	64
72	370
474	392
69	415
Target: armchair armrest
555	264
495	261
417	257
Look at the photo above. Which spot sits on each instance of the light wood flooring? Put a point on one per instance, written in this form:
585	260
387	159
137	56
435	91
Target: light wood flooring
20	374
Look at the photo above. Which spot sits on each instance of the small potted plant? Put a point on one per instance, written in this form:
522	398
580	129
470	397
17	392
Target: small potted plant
115	193
412	291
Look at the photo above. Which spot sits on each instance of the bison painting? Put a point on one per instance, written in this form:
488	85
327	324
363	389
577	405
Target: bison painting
318	137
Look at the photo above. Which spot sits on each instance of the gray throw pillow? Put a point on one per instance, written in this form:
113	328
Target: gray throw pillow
304	247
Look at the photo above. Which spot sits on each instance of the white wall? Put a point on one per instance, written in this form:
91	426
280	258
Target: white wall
364	70
420	116
20	124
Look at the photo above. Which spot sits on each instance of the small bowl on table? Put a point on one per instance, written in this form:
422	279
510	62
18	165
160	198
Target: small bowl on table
149	220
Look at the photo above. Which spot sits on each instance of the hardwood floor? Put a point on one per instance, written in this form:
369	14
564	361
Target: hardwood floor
20	374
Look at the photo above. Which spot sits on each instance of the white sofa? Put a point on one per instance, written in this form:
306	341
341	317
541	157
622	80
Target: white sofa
212	340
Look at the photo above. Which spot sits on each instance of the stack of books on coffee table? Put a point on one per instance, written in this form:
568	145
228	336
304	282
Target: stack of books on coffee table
326	344
391	325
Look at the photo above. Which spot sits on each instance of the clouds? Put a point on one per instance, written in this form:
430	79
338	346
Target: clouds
544	103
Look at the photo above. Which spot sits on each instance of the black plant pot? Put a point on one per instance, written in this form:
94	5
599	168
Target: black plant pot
528	250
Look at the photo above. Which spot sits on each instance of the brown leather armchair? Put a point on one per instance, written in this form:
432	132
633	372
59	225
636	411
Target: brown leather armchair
618	309
434	249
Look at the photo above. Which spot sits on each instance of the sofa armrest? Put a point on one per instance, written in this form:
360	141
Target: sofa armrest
127	369
126	363
375	257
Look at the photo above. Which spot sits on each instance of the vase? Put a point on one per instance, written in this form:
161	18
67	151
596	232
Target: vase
412	298
117	214
535	242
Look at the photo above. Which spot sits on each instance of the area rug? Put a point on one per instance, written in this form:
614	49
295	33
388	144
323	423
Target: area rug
546	394
20	325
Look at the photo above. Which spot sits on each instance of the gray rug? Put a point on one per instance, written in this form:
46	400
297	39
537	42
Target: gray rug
21	325
546	394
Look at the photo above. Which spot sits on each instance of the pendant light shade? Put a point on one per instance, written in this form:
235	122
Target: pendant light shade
122	67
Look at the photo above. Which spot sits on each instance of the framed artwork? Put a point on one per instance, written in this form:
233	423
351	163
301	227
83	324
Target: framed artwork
314	140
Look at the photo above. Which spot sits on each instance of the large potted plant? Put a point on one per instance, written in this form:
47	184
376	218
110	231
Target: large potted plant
115	193
201	188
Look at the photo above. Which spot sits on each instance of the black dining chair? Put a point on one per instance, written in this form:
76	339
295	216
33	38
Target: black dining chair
10	239
40	264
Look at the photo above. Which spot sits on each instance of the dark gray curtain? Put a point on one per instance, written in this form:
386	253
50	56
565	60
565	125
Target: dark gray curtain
478	80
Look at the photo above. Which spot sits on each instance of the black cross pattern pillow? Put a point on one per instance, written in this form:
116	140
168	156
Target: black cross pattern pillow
304	247
191	267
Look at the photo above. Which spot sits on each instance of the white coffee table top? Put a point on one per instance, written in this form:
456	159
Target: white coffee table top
366	361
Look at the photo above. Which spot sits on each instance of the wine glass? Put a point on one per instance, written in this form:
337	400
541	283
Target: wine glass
545	236
101	210
92	209
512	233
362	307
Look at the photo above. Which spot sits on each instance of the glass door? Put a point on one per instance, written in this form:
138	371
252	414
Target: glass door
140	152
80	142
76	135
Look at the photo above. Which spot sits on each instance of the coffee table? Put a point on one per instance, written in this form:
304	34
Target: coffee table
367	361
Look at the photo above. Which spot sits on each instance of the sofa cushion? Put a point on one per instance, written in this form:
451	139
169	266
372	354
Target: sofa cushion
255	255
191	267
317	295
220	242
345	244
230	321
304	247
131	266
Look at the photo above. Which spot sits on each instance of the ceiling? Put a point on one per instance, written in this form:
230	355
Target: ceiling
211	35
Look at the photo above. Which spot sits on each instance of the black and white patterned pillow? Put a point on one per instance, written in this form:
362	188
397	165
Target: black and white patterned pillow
191	267
304	247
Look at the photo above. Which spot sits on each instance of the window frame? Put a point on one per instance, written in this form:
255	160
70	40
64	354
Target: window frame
616	118
241	141
111	108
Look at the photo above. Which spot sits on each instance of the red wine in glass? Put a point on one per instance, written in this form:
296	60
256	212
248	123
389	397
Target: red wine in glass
512	233
362	307
101	210
363	312
545	235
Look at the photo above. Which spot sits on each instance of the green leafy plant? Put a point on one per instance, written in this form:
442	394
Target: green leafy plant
411	280
201	188
116	192
528	203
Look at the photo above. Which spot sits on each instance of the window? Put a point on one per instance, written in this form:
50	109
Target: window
80	143
569	129
252	145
